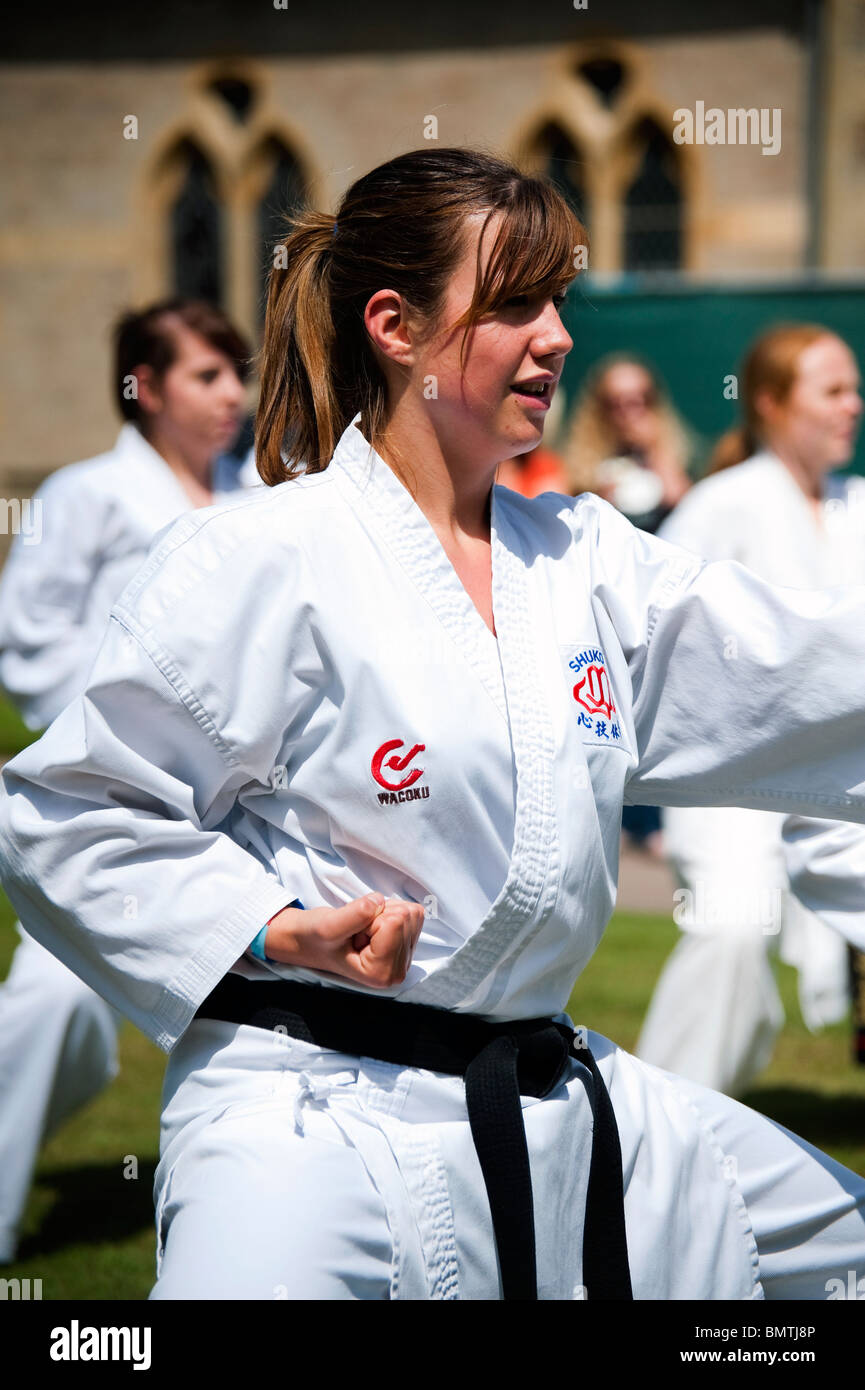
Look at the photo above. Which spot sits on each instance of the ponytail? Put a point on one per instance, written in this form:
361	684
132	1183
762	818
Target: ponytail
298	410
733	447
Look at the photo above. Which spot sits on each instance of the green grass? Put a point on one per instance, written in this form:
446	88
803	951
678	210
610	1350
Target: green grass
89	1230
14	734
811	1085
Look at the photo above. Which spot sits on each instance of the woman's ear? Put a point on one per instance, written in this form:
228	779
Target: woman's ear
390	326
149	394
769	409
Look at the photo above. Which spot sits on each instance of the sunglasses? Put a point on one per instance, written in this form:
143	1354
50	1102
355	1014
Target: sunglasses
639	400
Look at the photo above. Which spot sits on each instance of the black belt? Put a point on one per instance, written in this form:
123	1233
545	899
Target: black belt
500	1062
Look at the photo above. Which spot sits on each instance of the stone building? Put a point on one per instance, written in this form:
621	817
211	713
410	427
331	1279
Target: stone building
150	148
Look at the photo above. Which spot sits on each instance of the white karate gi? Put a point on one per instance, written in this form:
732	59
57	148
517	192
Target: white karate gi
94	522
237	747
716	1011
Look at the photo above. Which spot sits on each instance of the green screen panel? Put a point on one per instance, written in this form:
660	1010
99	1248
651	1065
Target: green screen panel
696	336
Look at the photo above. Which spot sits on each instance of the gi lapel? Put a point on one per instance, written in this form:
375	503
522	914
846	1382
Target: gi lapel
391	511
509	672
529	891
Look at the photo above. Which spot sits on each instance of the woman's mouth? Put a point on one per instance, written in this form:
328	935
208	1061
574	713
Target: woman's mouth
535	394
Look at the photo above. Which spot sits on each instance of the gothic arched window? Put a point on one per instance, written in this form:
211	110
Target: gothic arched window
196	229
563	164
653	204
284	192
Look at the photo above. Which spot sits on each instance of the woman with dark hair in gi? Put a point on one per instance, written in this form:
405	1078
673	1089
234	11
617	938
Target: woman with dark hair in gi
178	373
359	747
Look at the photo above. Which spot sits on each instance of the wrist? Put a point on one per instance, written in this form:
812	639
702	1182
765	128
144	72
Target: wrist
274	930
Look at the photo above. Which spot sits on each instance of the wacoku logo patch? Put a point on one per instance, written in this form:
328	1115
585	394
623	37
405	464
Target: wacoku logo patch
396	773
592	697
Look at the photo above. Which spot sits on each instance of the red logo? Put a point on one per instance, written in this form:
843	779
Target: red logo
380	760
593	692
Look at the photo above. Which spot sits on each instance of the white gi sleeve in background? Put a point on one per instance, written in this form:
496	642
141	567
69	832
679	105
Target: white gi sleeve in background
825	863
110	848
46	639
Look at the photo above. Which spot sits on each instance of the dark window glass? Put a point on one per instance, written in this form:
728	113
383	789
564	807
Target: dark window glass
606	75
284	193
196	230
563	165
237	95
653	205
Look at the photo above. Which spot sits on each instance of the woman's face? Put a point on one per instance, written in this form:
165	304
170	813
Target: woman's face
626	396
480	413
198	403
819	420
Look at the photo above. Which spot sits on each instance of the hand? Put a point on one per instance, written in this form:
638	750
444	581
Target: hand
370	940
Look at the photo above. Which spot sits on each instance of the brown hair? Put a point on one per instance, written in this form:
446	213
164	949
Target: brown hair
148	337
591	438
770	365
399	227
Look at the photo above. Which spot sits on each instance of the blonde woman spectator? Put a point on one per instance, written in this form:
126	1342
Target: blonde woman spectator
628	444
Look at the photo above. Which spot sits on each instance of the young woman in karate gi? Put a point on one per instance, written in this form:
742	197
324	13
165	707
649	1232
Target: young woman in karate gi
178	376
775	506
385	676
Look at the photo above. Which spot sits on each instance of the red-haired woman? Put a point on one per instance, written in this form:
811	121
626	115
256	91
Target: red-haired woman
415	703
773	503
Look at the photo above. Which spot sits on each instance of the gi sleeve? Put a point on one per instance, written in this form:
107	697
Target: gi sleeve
825	862
112	848
744	694
46	643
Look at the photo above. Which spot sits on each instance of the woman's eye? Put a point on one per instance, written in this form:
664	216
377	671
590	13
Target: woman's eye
519	301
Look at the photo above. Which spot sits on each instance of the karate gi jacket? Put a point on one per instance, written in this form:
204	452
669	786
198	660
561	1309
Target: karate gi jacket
296	697
95	521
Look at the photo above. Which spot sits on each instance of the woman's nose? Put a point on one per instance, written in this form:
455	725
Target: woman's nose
552	331
233	388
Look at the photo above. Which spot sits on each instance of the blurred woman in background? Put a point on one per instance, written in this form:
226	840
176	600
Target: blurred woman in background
627	442
178	376
774	505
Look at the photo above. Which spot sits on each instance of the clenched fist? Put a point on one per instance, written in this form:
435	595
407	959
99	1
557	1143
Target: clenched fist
370	940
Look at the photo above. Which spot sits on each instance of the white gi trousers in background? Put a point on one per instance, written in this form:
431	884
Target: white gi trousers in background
716	1011
58	1048
58	1037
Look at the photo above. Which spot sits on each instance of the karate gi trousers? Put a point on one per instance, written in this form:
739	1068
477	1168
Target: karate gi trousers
58	1049
716	1011
291	1172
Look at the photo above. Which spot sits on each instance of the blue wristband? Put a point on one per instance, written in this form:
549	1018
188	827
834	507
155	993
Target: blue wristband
256	947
